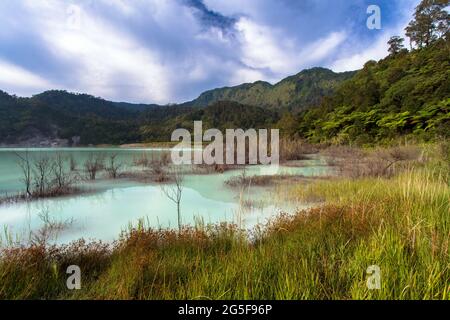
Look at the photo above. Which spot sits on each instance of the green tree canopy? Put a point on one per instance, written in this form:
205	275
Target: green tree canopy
396	44
431	22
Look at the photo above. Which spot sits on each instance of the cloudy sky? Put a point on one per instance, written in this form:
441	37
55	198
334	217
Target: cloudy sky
167	51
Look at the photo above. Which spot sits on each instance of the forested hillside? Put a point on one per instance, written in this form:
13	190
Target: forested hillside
296	93
221	115
62	115
405	94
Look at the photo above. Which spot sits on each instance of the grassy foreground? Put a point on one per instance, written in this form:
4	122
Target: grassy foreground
401	224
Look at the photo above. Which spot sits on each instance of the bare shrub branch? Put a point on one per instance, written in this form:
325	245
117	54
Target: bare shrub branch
93	165
174	193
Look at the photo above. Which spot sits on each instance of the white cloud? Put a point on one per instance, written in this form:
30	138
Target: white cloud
265	47
356	61
245	75
323	48
261	48
163	51
126	7
16	79
108	60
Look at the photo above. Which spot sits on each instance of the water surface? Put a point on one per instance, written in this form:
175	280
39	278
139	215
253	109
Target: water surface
116	204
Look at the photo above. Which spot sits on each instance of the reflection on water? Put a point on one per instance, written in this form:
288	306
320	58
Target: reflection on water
103	215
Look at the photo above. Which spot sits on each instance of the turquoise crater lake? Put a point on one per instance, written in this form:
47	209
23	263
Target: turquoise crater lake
111	206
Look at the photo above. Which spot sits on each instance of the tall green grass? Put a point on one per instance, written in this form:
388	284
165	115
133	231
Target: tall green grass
401	224
408	221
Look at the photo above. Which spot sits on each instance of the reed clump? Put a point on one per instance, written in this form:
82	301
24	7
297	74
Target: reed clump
295	149
380	162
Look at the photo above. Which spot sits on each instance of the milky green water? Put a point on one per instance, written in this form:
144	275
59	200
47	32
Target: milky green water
116	204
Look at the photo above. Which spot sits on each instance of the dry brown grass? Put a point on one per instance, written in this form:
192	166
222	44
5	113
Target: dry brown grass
296	150
261	181
381	162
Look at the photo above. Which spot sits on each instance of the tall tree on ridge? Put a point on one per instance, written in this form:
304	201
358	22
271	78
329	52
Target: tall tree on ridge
395	44
431	22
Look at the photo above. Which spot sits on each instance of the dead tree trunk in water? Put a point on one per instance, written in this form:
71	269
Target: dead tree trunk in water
93	165
42	168
174	193
25	166
113	166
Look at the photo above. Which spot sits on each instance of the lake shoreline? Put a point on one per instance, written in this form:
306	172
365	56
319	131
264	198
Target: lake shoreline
141	176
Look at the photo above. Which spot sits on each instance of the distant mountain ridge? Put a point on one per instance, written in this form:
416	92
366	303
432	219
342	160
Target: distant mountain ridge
297	92
58	117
